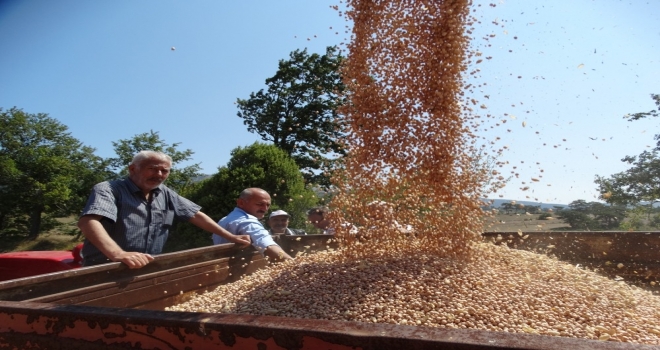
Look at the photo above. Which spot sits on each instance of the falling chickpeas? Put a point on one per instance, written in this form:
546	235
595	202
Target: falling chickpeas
412	254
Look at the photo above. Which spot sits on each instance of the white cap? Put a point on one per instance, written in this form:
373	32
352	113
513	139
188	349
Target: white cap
279	213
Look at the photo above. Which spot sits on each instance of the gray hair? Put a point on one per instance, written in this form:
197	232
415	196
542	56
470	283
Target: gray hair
146	155
248	192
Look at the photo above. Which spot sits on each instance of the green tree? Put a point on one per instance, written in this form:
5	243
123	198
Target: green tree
652	113
258	165
508	207
45	172
637	185
558	208
577	220
298	111
608	216
584	215
577	215
634	219
581	206
533	209
655	222
180	177
544	216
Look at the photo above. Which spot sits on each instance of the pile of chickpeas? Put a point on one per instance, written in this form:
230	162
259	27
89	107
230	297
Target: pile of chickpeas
503	290
407	209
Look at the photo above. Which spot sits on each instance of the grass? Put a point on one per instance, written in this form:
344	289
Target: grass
49	242
64	235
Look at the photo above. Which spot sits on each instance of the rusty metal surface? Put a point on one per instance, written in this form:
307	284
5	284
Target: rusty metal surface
619	245
109	306
35	325
631	256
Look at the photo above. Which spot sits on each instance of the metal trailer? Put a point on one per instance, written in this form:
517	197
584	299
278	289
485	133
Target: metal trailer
112	307
633	257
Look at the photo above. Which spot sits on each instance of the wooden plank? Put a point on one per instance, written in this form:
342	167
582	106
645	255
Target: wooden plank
39	286
122	289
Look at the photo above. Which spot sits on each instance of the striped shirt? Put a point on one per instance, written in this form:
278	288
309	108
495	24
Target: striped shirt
137	225
239	222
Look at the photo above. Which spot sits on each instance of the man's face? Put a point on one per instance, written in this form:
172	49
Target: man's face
278	223
149	174
318	221
256	205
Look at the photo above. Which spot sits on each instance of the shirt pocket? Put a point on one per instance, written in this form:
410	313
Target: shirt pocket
165	217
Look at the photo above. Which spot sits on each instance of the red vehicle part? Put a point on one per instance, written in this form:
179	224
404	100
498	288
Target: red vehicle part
31	263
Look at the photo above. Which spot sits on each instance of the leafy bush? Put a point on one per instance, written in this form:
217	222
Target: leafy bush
258	165
544	216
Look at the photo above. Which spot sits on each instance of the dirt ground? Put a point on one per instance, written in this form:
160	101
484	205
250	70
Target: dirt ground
524	223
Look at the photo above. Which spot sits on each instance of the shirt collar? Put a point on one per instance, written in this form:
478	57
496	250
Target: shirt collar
250	216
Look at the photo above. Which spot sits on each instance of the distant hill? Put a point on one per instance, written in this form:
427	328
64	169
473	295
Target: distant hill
201	177
496	203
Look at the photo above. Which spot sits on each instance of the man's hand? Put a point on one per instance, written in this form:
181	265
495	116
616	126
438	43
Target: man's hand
204	222
91	227
133	260
276	253
241	240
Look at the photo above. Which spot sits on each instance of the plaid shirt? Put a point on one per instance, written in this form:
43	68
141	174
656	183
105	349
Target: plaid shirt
137	225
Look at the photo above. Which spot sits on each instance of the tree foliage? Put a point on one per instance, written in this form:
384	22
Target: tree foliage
258	165
639	184
608	216
43	169
513	208
179	178
577	220
297	113
652	113
583	215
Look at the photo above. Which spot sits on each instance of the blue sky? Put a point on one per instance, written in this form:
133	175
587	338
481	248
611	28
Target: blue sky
106	70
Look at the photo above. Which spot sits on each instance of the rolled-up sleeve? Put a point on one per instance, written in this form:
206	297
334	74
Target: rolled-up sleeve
238	222
101	202
184	209
261	239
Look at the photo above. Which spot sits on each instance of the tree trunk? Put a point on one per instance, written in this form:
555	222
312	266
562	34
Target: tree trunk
35	222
